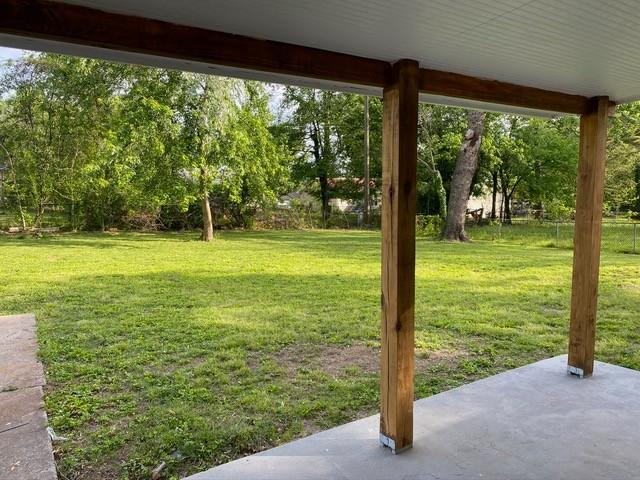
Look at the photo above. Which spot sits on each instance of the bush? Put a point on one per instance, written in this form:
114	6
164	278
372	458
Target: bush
429	225
558	211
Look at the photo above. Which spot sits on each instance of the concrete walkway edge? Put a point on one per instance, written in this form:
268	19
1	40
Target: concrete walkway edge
26	448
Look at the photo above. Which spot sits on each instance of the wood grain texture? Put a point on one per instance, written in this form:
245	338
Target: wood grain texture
399	140
472	88
87	26
586	241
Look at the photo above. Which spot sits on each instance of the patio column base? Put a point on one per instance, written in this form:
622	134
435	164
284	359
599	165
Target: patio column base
391	444
577	372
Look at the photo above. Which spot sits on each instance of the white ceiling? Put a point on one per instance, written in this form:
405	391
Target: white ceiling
584	47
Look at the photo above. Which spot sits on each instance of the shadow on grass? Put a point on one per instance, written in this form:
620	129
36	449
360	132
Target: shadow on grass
97	240
160	312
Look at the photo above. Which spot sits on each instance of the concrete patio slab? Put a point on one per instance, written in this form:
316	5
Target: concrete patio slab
534	422
24	441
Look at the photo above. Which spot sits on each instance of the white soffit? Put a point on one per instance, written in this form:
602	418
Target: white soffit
583	47
198	67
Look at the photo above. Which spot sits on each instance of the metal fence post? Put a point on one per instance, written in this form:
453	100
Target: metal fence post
557	234
635	237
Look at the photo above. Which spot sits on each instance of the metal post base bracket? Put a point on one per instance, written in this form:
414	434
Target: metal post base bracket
578	372
391	443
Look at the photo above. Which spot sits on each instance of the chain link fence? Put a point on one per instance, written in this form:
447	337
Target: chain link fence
617	236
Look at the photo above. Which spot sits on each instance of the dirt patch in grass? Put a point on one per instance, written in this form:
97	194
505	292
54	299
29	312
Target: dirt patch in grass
426	359
332	359
309	427
335	360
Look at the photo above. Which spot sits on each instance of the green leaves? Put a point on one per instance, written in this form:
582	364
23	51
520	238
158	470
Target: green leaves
101	144
108	143
622	174
226	127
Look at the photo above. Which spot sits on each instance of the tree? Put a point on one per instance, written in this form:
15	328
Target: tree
550	153
58	109
426	157
637	199
513	166
261	160
13	190
230	150
121	145
466	166
531	159
313	126
104	145
146	139
622	175
205	110
351	142
440	130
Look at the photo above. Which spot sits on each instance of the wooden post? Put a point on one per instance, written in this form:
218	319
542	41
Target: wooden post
399	157
586	238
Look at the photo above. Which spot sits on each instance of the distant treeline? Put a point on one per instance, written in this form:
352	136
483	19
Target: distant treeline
99	145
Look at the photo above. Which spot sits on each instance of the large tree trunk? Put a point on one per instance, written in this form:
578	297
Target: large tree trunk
466	166
207	219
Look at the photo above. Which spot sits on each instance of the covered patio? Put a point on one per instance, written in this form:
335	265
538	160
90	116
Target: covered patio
534	57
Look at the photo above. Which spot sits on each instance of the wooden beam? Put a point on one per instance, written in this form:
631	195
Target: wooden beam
73	24
399	158
88	26
491	91
586	238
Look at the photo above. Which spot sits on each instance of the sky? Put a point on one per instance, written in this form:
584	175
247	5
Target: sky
7	54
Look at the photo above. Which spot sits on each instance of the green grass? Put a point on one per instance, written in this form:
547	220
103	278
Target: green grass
159	347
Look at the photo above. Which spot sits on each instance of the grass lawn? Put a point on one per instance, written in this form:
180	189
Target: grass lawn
161	348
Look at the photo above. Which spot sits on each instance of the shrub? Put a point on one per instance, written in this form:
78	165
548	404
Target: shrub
429	225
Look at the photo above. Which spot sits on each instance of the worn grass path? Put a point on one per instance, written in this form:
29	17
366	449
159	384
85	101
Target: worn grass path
158	347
